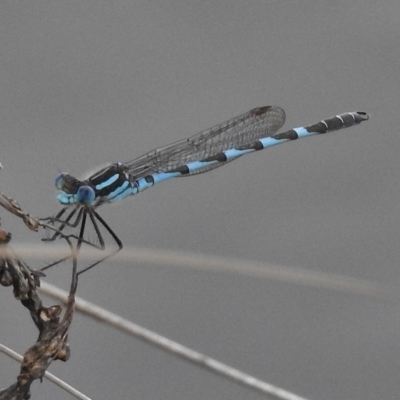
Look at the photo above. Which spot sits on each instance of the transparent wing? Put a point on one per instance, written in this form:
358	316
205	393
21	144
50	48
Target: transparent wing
239	131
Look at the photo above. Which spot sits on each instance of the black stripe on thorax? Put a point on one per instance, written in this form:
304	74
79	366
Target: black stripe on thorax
104	175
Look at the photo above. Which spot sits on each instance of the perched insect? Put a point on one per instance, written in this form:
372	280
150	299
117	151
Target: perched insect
250	132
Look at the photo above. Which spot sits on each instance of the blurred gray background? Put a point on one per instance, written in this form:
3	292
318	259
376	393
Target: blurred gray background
85	83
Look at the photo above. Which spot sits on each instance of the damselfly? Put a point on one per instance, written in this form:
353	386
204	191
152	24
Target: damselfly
205	151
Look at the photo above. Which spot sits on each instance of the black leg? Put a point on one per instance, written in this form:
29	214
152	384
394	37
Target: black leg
81	232
102	245
66	223
82	218
94	215
67	238
63	222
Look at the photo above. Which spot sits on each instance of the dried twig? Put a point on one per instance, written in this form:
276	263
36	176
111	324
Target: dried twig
53	330
52	378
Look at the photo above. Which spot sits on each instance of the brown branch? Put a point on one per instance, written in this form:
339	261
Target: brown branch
53	330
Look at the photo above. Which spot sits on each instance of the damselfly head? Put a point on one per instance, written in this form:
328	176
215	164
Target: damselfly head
59	180
67	183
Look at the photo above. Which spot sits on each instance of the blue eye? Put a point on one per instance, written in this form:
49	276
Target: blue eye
85	195
59	180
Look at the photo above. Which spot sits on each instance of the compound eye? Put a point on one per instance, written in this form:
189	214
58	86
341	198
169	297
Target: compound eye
59	180
85	195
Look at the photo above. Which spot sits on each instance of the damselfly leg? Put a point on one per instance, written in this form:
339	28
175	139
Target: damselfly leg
81	219
64	222
93	216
